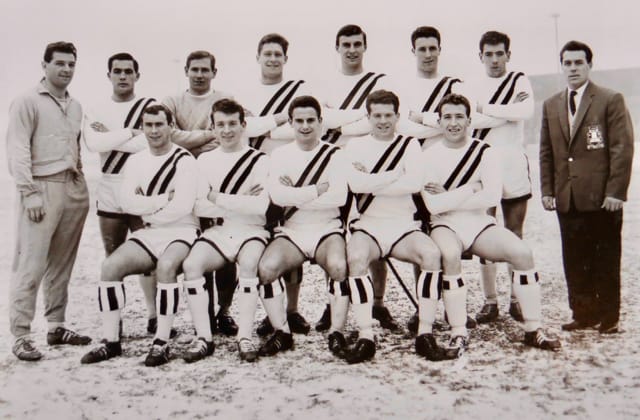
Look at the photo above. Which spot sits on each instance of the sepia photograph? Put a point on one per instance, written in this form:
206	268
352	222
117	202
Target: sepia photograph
331	209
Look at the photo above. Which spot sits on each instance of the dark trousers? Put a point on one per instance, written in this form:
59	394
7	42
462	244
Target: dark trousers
591	245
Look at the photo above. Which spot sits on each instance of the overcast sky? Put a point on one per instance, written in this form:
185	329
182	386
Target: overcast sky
161	33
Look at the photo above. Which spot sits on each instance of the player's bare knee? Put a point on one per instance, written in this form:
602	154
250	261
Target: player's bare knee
111	270
192	269
265	279
166	270
268	270
450	256
451	267
451	260
429	258
521	257
357	262
336	267
248	268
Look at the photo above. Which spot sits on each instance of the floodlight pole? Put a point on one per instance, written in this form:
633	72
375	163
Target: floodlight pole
555	17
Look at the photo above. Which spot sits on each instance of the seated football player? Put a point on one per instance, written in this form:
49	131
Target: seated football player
385	170
306	178
158	186
230	193
462	180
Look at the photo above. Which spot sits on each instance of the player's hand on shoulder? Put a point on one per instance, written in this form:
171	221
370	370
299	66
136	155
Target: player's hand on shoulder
548	202
521	97
209	146
34	204
360	167
281	118
612	204
415	117
99	127
255	190
211	137
322	188
434	188
286	181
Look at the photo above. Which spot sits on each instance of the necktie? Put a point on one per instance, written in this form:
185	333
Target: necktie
572	102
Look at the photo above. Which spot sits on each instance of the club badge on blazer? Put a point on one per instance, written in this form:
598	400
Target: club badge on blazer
595	140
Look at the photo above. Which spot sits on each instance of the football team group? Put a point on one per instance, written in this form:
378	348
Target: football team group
227	195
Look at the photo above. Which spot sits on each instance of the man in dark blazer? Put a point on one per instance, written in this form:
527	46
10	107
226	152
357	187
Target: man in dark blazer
586	152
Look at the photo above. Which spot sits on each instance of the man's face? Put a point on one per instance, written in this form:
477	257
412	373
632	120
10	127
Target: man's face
306	124
228	129
383	119
271	59
575	68
454	122
157	130
427	52
200	75
59	71
495	59
123	77
351	50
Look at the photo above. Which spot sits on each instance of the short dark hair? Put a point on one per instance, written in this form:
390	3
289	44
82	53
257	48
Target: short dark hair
156	109
454	99
494	38
197	55
350	30
424	32
383	97
227	106
305	102
577	46
123	56
274	38
61	47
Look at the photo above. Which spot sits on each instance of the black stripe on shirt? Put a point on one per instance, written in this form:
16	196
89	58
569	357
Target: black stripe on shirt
227	179
314	178
363	201
274	98
355	89
245	174
287	98
171	173
434	94
165	165
366	92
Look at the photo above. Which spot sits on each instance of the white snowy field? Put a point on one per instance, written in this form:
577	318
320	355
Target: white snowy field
592	377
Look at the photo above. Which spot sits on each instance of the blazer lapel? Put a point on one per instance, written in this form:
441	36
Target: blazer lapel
582	109
563	114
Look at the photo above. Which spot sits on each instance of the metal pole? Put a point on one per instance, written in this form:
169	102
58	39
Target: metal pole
404	287
555	17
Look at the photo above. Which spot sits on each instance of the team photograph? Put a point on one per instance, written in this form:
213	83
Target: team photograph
277	210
